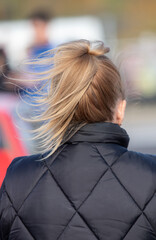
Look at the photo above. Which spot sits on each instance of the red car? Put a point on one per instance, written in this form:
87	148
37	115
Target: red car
11	145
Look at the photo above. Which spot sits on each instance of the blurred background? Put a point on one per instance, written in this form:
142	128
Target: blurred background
28	28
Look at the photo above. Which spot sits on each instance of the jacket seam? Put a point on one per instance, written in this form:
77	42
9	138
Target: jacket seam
142	210
109	133
114	161
76	209
150	223
72	205
16	215
32	190
38	181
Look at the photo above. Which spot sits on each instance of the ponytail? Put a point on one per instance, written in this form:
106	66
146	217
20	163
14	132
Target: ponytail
84	88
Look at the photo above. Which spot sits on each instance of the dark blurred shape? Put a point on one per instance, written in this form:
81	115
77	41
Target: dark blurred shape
40	21
41	15
41	44
5	72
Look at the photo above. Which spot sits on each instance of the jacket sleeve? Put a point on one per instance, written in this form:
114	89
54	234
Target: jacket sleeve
7	212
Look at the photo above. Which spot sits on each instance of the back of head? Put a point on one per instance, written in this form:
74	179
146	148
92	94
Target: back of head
40	15
85	87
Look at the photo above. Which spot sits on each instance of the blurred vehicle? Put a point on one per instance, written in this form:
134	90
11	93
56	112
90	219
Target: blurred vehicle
11	144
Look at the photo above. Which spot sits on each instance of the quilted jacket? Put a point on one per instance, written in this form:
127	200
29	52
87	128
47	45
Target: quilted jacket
91	188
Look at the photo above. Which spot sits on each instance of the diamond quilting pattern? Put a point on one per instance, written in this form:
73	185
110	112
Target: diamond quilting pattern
140	229
96	210
19	230
76	209
150	212
140	190
79	229
106	209
40	223
135	214
77	176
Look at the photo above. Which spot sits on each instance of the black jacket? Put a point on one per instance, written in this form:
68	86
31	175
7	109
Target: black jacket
92	188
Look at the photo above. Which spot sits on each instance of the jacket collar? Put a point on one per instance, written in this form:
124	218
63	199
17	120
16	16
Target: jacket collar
101	132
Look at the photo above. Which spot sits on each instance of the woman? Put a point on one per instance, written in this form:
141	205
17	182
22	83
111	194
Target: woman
87	185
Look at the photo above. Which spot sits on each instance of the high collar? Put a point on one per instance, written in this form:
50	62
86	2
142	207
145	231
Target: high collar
101	132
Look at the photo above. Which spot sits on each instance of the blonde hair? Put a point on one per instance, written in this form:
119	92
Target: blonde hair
84	87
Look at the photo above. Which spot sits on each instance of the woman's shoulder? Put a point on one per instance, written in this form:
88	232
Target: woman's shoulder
147	159
23	173
28	169
24	163
22	176
138	165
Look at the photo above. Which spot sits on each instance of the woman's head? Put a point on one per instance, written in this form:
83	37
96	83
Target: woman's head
85	87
